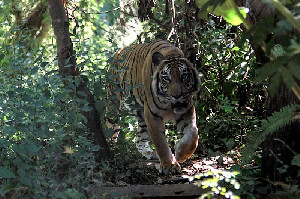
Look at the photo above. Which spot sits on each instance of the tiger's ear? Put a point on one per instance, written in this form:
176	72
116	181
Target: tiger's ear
190	54
156	58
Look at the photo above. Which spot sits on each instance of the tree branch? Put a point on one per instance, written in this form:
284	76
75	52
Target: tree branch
33	28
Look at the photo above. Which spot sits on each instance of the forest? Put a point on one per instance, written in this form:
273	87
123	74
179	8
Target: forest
54	72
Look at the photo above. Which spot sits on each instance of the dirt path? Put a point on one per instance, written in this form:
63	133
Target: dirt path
177	186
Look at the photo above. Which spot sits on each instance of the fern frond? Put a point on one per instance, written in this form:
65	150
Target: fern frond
272	124
270	68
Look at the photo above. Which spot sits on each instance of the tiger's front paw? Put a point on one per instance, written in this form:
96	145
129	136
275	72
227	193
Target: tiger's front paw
186	146
170	169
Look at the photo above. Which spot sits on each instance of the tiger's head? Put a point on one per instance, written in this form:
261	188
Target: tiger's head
175	79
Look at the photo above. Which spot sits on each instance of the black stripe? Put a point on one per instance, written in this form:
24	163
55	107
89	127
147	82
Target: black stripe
143	131
157	82
180	119
142	52
135	99
138	97
152	66
183	127
143	49
136	70
139	68
163	48
156	105
162	43
139	142
183	115
155	115
143	126
117	130
148	50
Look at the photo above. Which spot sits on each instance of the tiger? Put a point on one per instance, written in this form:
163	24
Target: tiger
162	81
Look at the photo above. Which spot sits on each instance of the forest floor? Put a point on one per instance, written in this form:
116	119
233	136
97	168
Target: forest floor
139	178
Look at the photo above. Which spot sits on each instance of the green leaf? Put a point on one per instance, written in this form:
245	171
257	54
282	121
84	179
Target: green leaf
117	90
137	86
5	173
228	10
287	78
34	70
100	106
43	64
278	50
260	31
203	14
296	160
5	188
274	122
230	143
231	16
111	16
67	60
24	177
32	148
68	65
81	93
270	68
95	148
294	68
274	84
2	55
236	48
282	27
86	108
294	48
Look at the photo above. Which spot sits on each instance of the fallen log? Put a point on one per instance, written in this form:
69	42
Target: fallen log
150	191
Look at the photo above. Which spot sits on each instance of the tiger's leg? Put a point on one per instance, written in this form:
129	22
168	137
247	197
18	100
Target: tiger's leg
112	111
156	128
114	127
189	142
141	138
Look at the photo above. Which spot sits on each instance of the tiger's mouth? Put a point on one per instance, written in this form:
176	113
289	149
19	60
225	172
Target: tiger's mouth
179	107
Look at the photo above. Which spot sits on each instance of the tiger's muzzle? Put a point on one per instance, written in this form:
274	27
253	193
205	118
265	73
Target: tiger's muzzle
179	107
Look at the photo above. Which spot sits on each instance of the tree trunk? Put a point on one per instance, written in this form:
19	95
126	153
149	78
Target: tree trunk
34	28
66	56
280	147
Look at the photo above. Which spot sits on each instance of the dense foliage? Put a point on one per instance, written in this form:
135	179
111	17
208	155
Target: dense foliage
47	151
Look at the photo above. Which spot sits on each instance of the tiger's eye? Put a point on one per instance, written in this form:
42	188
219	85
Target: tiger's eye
184	76
166	78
